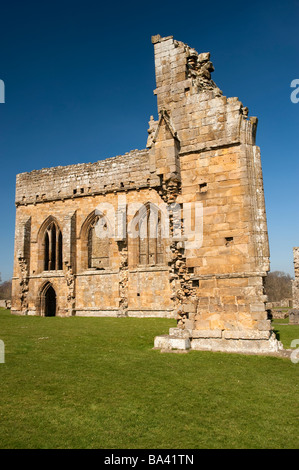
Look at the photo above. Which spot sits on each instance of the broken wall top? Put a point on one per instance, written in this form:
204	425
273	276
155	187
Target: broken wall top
129	171
195	114
200	115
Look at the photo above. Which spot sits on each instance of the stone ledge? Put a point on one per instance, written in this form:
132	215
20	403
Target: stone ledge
218	333
150	313
171	342
240	275
246	334
97	313
148	268
46	275
97	272
258	346
207	333
250	345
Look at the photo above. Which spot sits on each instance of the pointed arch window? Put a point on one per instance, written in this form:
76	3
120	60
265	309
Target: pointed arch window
98	243
149	241
52	247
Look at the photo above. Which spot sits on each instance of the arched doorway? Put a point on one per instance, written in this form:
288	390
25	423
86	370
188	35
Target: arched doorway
48	301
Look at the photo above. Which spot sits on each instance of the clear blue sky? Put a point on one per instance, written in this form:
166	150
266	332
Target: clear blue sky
79	79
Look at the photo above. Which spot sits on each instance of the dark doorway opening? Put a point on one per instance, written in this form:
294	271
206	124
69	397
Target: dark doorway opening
50	302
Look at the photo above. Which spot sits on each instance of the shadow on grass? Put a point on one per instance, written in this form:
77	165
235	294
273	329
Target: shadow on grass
277	334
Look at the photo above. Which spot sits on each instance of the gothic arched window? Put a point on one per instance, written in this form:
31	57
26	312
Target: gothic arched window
149	240
52	247
98	243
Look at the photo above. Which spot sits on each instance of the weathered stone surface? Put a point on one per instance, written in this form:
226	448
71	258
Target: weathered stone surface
246	334
256	346
162	342
179	343
278	314
216	333
171	342
295	283
5	303
294	316
281	303
205	263
179	333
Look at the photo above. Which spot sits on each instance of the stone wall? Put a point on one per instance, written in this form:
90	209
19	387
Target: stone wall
129	171
97	292
294	317
295	283
294	313
284	303
201	157
277	314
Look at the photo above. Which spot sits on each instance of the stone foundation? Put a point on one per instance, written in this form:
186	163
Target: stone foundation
246	341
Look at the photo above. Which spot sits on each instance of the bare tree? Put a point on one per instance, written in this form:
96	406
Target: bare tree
278	286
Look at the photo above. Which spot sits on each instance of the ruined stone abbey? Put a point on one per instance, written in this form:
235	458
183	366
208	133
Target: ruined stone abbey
175	230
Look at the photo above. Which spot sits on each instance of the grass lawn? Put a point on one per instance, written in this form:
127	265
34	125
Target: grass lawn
285	332
97	383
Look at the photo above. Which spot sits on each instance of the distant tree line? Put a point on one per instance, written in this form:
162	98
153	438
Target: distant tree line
5	289
278	286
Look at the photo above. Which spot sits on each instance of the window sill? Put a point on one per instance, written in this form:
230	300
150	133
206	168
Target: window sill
149	267
95	272
44	274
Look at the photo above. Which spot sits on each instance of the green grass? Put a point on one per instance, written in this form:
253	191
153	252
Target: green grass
285	332
97	383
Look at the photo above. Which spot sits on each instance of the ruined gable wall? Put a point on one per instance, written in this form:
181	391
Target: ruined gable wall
220	279
217	137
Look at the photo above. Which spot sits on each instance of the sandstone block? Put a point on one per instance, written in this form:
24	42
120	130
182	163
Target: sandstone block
217	333
179	343
246	334
179	333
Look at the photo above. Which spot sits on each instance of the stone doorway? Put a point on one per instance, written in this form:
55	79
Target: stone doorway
48	301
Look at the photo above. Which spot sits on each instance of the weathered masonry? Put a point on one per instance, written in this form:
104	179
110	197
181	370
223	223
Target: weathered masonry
294	313
175	230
